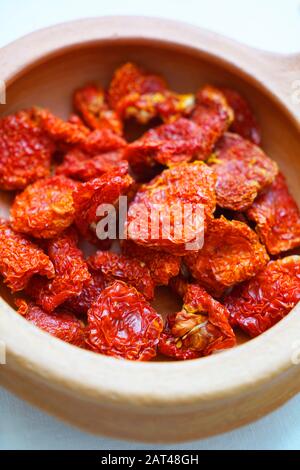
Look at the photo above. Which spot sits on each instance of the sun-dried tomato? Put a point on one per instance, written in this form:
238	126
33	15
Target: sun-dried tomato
61	323
75	134
277	217
199	329
132	271
169	144
135	94
25	150
90	102
243	170
81	166
90	195
45	208
20	259
162	266
259	303
231	253
123	324
172	209
71	273
213	116
245	122
167	105
80	304
128	79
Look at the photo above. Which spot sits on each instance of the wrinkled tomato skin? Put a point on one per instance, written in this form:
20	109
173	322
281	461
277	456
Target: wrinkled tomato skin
130	79
231	254
70	134
187	185
162	266
258	304
81	166
169	144
243	170
81	303
62	324
277	217
45	208
90	102
213	116
122	324
132	271
90	195
20	259
25	151
201	327
71	273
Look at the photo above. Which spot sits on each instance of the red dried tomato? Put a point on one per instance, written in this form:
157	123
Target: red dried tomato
259	303
45	208
20	259
133	93
200	328
231	254
172	209
277	216
70	134
168	144
90	195
129	79
123	268
245	122
81	166
213	116
71	273
243	170
25	151
90	102
80	304
121	323
61	324
167	105
162	266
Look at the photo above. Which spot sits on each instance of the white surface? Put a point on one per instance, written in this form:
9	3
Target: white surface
268	24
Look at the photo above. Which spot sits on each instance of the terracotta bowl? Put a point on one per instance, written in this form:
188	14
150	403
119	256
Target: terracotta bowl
158	401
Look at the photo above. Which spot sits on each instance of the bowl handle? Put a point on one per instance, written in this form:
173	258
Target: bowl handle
282	75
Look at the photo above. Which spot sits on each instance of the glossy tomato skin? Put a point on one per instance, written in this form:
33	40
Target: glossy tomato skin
256	305
121	323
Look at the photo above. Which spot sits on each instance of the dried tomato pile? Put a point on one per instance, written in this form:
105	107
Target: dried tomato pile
198	149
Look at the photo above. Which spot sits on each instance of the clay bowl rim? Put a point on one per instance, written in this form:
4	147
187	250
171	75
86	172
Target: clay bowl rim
160	384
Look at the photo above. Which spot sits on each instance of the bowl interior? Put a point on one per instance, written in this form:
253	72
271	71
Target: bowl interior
51	83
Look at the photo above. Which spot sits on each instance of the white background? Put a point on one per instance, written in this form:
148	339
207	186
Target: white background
268	24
